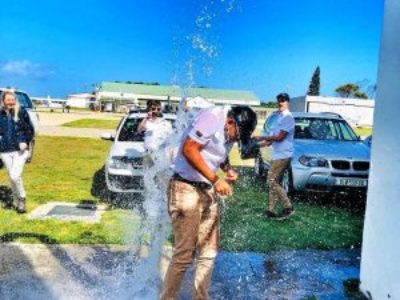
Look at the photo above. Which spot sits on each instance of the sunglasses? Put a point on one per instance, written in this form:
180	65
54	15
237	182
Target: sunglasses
281	100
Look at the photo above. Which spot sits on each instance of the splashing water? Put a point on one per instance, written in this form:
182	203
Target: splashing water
145	282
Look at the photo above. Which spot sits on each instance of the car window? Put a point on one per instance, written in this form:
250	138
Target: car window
129	130
24	100
323	129
346	132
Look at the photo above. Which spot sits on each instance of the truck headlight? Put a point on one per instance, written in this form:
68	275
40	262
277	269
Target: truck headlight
312	161
117	163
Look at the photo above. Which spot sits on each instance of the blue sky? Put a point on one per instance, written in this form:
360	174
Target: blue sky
266	46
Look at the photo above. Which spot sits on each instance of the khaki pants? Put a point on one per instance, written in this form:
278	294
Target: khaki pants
276	191
195	223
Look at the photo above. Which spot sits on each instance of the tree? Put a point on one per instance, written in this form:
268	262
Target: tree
313	88
347	90
360	95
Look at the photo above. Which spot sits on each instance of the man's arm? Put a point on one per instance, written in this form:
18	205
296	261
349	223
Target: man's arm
276	138
267	140
142	126
191	151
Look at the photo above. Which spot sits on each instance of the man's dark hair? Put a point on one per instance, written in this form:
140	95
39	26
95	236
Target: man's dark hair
283	96
246	120
151	103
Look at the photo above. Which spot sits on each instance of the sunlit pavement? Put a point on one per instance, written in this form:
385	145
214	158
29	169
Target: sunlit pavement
99	272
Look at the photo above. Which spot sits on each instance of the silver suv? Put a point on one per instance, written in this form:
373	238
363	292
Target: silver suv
25	101
328	155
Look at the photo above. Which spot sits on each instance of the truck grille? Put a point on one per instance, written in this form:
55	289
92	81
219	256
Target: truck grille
340	164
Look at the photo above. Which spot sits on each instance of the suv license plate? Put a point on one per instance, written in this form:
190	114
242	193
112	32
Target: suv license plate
352	182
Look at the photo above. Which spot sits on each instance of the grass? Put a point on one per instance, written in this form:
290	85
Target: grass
93	123
65	169
62	170
317	226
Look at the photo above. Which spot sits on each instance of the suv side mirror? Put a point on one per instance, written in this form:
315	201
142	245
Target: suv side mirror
107	136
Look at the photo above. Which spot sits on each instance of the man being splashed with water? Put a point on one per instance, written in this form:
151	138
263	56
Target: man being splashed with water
193	190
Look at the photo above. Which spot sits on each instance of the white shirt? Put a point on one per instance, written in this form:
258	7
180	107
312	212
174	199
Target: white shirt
157	132
206	129
283	149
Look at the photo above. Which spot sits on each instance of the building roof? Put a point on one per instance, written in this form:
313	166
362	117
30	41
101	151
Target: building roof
176	91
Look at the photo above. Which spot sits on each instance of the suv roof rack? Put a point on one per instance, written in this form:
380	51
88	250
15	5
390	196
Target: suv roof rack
328	113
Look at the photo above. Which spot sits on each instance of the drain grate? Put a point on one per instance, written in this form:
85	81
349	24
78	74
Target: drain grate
76	211
83	212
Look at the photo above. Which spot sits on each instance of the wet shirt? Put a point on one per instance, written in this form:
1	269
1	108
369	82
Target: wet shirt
283	149
207	129
156	133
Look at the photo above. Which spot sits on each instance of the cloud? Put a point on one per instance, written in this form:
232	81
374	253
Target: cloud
26	68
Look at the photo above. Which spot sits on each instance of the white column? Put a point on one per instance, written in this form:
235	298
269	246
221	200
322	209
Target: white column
380	257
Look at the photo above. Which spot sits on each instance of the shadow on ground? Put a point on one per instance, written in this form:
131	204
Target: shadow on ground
6	197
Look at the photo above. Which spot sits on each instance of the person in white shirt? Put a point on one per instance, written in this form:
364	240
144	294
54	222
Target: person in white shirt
281	141
193	190
155	128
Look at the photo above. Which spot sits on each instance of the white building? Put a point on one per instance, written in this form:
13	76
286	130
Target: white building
117	94
358	112
81	100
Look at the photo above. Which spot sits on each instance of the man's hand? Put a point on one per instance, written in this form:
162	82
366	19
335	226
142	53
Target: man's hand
262	141
231	176
222	187
23	146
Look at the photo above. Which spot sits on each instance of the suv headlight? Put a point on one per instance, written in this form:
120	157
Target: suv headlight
116	163
312	161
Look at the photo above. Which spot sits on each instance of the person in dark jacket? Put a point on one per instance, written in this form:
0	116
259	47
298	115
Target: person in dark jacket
16	132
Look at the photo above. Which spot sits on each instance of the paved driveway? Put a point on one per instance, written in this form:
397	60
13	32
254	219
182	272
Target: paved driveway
77	272
50	124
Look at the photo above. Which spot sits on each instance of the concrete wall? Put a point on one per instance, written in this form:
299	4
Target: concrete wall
380	257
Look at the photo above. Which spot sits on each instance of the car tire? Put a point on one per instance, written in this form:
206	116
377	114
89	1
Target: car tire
259	169
30	151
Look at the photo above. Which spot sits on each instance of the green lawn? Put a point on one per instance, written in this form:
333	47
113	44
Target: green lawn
93	123
64	169
245	228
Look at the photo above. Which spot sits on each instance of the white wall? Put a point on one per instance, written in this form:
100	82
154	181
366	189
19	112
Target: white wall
78	102
380	257
355	111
